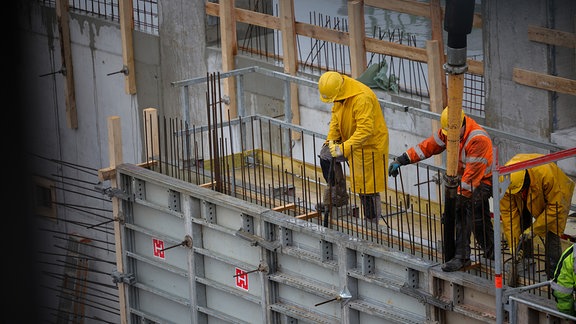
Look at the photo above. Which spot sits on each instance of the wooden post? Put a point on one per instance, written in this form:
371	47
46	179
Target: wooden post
115	155
288	28
151	133
437	35
357	38
435	77
229	46
126	29
67	68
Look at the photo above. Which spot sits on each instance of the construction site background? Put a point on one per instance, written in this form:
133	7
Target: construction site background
65	160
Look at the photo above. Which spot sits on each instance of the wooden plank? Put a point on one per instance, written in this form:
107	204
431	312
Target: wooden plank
551	36
284	207
108	173
229	50
397	50
414	8
358	61
115	155
310	215
126	30
247	16
544	81
290	59
62	14
436	78
288	29
152	133
475	67
370	44
321	33
405	6
208	185
438	36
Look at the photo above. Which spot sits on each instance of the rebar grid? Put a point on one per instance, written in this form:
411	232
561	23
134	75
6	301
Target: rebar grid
255	158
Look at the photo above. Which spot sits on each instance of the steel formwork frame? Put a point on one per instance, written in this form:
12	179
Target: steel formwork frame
560	152
498	190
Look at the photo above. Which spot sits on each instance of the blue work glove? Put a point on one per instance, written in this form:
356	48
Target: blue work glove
394	167
335	149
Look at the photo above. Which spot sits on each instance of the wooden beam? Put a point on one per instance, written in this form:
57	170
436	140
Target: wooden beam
373	45
544	81
436	77
108	173
284	207
307	216
152	133
438	36
288	29
397	50
289	46
229	46
208	185
62	14
247	16
115	155
358	59
551	36
415	8
126	13
406	6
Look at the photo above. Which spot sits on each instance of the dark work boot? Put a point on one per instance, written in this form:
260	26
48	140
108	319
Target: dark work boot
337	193
372	206
489	253
455	264
339	198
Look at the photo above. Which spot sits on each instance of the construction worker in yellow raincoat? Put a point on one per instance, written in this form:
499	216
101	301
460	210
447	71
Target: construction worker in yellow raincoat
536	203
357	135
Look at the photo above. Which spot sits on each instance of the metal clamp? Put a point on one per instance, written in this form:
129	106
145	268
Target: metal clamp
122	277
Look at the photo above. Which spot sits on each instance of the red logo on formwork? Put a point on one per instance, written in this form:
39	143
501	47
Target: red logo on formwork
158	248
241	279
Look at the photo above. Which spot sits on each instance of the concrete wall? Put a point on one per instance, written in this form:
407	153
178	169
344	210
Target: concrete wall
68	159
516	108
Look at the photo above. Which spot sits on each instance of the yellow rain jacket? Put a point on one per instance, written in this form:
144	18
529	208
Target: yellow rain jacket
548	200
358	123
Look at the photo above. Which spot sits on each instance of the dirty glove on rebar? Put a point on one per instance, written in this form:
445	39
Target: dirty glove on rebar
526	236
335	149
525	247
394	167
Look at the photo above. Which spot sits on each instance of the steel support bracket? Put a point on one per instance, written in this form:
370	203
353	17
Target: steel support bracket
122	277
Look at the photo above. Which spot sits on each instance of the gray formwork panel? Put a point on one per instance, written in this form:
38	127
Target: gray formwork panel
297	271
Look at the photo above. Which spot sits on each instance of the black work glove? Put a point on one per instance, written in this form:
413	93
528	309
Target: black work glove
394	167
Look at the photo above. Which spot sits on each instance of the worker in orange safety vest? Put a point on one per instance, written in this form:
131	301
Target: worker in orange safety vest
474	190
